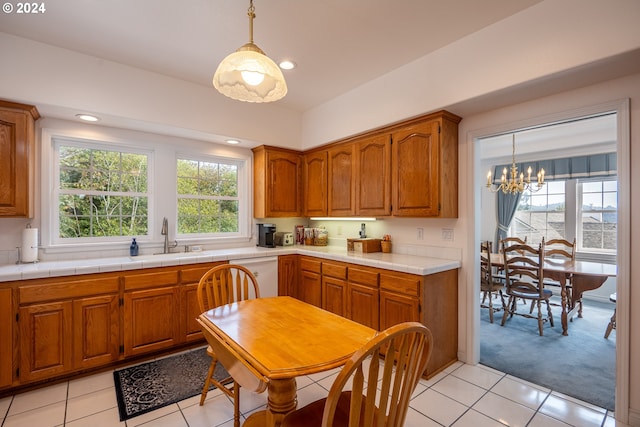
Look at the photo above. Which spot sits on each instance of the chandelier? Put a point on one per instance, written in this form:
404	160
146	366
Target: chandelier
248	74
516	184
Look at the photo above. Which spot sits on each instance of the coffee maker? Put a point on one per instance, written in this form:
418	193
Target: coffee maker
266	233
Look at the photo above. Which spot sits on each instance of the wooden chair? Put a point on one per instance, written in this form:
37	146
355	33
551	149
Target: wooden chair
563	250
612	323
368	393
508	241
221	285
525	279
489	286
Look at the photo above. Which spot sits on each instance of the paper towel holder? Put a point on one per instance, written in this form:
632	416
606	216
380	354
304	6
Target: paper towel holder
19	261
19	248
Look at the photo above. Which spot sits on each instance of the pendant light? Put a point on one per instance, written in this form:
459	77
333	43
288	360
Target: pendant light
516	184
248	74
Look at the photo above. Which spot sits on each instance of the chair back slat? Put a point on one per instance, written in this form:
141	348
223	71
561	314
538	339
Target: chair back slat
385	399
560	248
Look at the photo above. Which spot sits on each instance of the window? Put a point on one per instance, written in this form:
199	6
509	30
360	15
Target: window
541	214
100	192
208	196
585	209
597	215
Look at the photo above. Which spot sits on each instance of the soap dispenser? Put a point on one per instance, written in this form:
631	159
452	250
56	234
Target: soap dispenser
133	249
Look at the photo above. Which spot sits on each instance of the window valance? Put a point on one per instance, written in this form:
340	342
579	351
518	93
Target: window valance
589	166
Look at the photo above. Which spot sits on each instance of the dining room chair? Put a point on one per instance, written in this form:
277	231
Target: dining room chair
369	391
224	284
524	269
507	241
612	322
563	250
490	286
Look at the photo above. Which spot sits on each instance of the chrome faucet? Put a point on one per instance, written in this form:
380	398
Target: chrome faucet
165	233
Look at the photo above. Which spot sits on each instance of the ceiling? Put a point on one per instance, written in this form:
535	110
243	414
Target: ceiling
337	45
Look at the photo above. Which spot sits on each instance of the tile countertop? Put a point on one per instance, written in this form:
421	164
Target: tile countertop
422	265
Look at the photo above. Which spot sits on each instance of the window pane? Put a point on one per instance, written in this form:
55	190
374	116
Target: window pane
610	201
212	203
598	215
105	177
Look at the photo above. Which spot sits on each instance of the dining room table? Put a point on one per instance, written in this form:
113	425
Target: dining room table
584	275
278	339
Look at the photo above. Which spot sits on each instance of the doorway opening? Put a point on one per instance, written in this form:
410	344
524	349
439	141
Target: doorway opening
583	364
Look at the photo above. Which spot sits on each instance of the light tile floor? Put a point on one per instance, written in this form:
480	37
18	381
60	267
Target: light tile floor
462	396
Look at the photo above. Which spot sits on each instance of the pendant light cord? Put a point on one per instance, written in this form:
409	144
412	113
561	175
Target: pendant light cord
251	12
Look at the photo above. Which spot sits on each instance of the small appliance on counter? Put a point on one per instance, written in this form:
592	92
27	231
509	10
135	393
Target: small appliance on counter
282	238
266	234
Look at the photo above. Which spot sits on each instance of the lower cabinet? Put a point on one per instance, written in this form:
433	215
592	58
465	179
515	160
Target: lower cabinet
67	324
381	298
309	288
6	332
288	274
189	308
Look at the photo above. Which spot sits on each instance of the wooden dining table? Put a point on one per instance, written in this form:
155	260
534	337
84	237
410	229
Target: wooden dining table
585	276
279	339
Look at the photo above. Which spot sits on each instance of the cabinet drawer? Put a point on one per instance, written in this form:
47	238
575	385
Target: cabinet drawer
363	277
403	283
68	289
310	264
150	280
193	275
339	271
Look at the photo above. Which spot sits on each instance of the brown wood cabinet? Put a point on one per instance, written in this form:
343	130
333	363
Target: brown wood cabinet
67	324
341	189
151	310
314	180
189	307
277	182
373	175
334	287
288	275
381	298
425	168
17	158
309	287
6	332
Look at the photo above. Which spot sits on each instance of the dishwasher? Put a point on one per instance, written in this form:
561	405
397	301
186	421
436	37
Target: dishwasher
266	271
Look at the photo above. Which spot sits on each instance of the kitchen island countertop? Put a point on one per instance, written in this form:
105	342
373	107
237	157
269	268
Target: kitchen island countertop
406	263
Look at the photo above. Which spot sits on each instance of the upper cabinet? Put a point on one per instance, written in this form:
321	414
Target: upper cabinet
277	182
314	179
17	158
373	175
342	180
407	169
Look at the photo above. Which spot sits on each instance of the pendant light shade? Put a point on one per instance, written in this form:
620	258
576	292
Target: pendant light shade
248	74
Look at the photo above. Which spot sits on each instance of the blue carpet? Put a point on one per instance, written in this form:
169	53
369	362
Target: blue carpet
581	365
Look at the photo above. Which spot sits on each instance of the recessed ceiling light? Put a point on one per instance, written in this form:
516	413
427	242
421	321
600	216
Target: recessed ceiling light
87	117
232	141
287	65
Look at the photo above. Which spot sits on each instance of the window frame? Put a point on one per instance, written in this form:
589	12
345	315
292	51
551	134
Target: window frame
579	211
165	150
58	141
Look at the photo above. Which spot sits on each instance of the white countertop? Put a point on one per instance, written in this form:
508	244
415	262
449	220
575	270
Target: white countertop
391	261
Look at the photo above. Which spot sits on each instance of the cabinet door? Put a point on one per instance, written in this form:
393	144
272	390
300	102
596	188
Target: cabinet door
288	274
315	184
334	295
397	308
96	335
310	289
46	343
362	305
277	176
373	172
150	317
17	158
190	310
6	332
416	171
341	188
